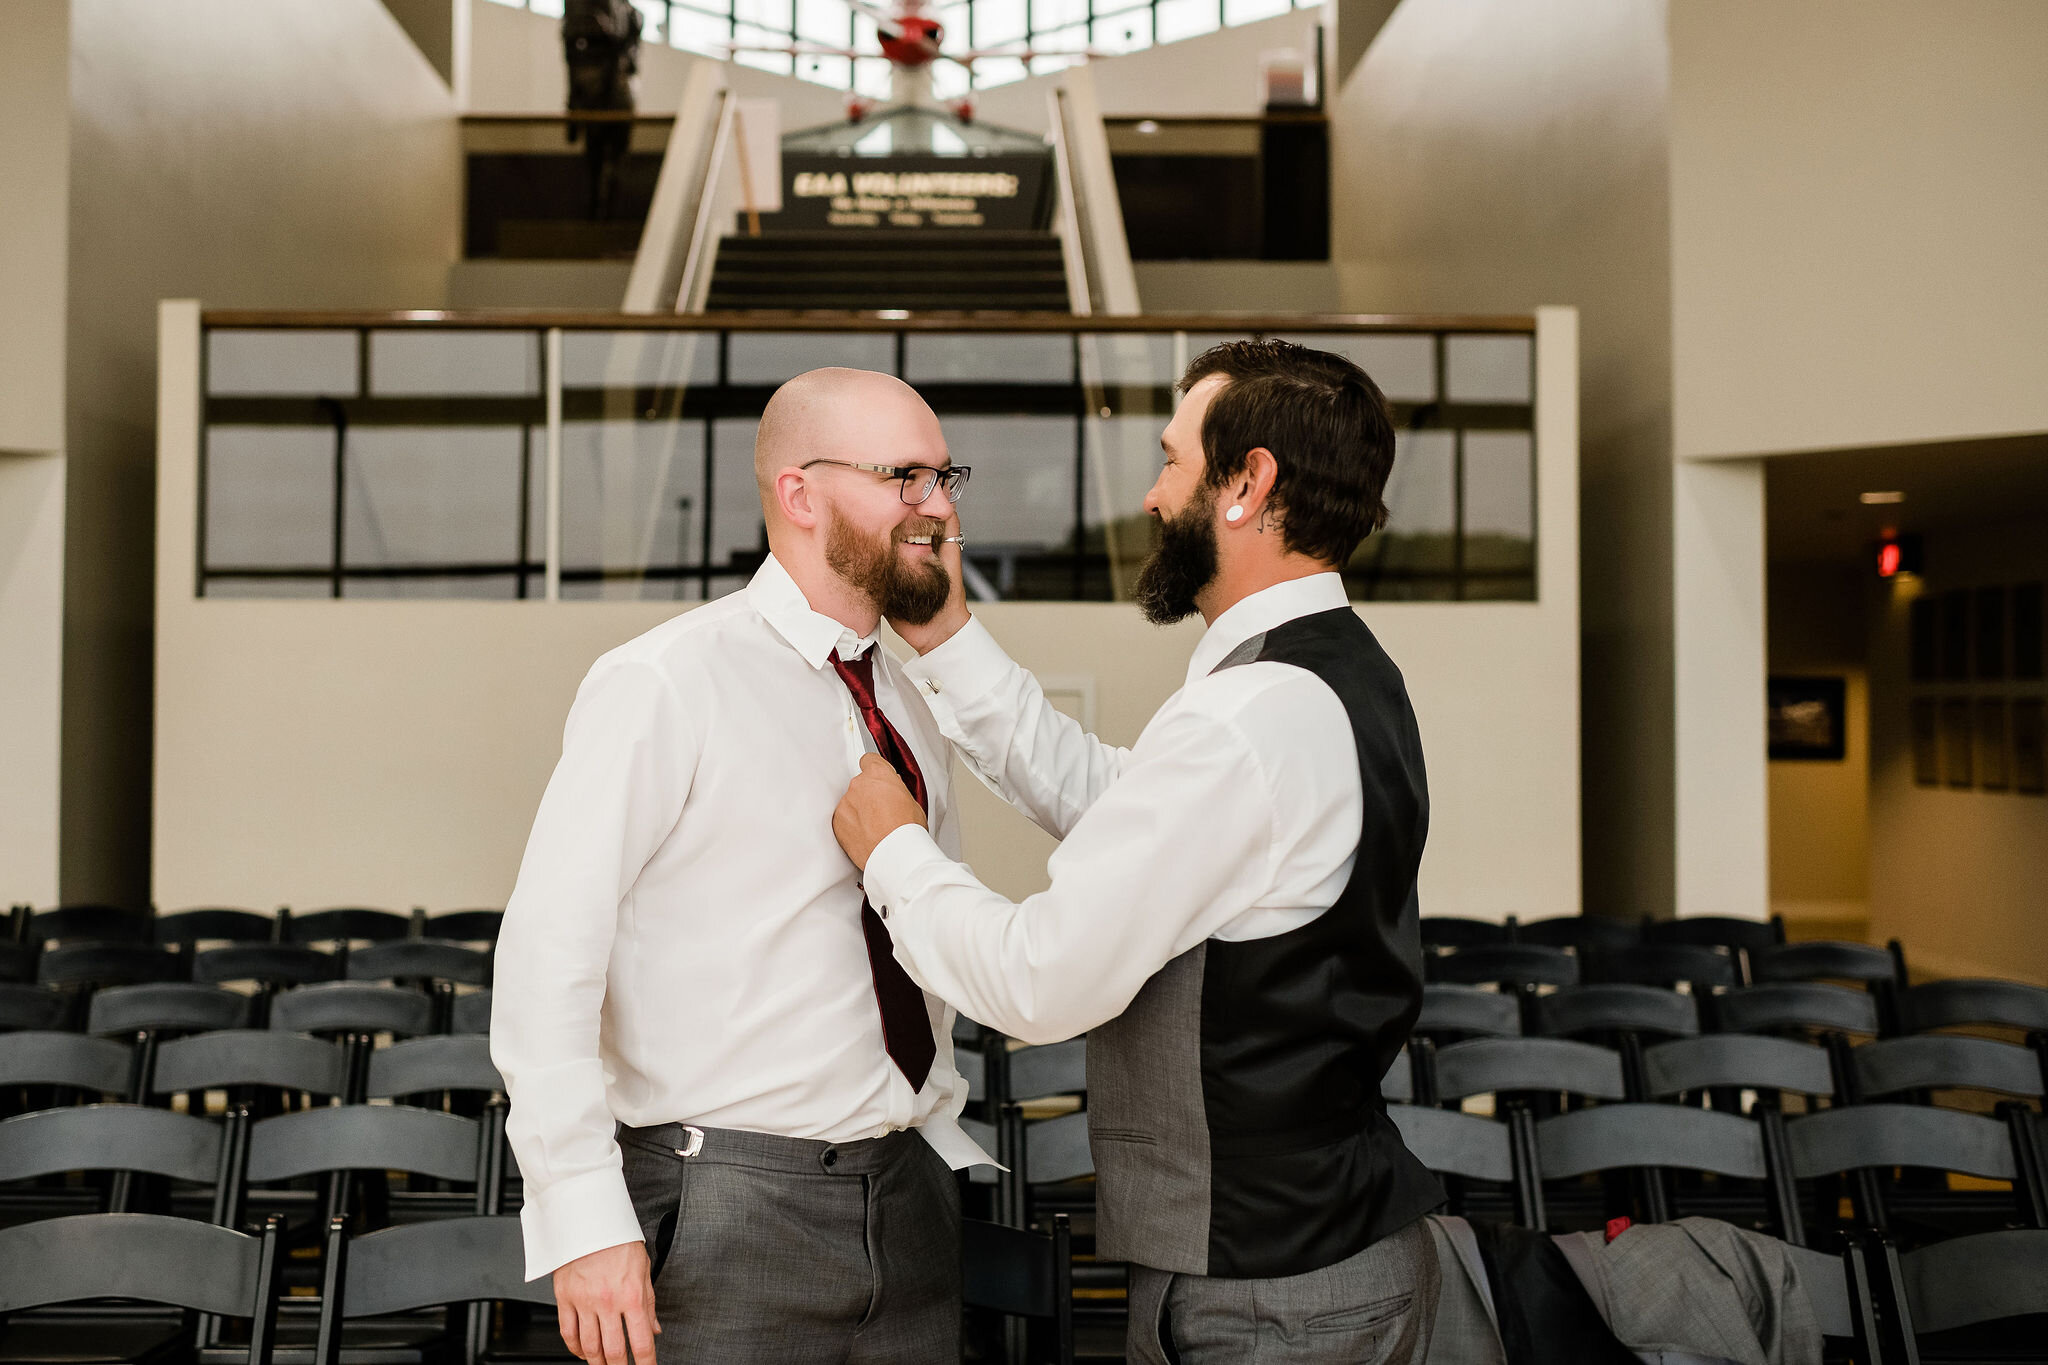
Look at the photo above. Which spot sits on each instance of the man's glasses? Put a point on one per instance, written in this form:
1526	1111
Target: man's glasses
914	481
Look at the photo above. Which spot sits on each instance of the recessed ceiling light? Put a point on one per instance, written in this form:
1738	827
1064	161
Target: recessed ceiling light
1146	126
1876	499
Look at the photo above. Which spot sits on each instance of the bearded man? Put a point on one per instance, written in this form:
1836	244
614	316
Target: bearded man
1232	913
735	1115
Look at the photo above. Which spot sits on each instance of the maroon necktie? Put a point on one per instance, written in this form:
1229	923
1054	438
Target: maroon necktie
906	1026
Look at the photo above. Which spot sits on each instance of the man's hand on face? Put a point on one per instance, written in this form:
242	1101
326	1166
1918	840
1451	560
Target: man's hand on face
876	805
606	1303
935	632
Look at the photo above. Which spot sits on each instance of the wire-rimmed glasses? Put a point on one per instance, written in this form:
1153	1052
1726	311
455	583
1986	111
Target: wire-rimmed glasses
914	481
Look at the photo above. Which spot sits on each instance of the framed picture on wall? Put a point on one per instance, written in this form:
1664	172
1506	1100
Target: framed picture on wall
2029	756
1957	749
1994	774
1926	742
1808	718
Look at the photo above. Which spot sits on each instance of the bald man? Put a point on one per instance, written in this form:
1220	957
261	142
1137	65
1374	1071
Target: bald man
735	1113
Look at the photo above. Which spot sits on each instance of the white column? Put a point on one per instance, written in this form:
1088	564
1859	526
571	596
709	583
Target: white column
1718	610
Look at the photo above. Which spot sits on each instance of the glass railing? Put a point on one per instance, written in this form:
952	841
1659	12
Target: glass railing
428	455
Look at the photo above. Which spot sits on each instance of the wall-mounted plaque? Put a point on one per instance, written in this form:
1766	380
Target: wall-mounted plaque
1807	718
1994	773
1958	751
914	191
1926	742
2029	756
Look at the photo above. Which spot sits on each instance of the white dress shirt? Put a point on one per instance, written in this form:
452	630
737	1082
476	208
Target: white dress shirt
684	942
1236	816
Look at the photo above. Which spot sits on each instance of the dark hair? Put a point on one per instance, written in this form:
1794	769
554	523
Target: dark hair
1327	425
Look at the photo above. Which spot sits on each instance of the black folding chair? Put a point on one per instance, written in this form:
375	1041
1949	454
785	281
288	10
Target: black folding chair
1795	1008
213	924
88	924
24	1006
430	965
1508	965
1934	1061
1862	1146
1581	933
264	1071
1468	1148
343	925
1526	1070
1981	1298
93	965
354	1013
45	1070
1732	1062
1621	1016
125	1140
1739	936
17	961
1451	1012
462	1267
214	1271
339	1141
1450	931
1667	965
1978	1004
460	926
1023	1274
1656	1140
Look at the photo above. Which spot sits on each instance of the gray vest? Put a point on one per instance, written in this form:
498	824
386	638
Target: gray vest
1234	1108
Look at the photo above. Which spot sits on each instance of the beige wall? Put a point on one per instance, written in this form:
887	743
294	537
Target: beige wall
1498	154
393	753
1956	875
1858	189
35	69
1820	809
294	153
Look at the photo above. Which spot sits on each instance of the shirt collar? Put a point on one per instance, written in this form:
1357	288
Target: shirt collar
813	635
1263	610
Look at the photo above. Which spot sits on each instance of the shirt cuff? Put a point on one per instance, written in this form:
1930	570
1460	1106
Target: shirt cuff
894	864
576	1216
969	665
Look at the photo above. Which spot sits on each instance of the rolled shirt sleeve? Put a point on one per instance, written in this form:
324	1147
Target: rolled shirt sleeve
628	755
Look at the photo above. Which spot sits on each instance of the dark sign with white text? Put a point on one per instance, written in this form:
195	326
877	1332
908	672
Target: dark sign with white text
909	193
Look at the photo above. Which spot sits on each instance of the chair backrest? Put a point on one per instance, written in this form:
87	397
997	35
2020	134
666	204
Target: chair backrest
1618	1008
166	1006
1049	1069
110	1137
30	1007
1614	1136
89	924
353	1007
17	961
1665	964
973	1069
1968	1001
1398	1085
1451	1143
346	924
1582	933
1467	1011
1449	931
271	964
363	1137
1740	1060
107	964
1716	931
1822	961
471	1013
1880	1136
437	1263
1934	1061
1967	1280
419	959
1057	1149
149	1257
465	926
213	924
37	1057
1509	964
250	1057
1484	1066
1021	1272
1825	1279
423	1065
1795	1005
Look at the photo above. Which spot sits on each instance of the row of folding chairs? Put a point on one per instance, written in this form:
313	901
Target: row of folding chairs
406	1006
220	924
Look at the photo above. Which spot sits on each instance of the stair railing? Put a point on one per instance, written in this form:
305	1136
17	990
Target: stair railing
1088	195
674	251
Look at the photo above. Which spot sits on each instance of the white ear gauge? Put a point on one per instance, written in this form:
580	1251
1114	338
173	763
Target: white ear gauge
1234	514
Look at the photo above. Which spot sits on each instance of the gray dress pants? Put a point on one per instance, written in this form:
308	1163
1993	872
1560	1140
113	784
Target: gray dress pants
1374	1308
791	1251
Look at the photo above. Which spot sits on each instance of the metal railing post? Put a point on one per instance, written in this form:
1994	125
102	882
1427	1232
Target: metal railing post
552	574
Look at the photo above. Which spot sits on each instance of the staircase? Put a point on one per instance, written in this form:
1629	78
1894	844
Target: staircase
966	270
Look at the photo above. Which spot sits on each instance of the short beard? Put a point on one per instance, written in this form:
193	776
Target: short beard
899	592
1183	565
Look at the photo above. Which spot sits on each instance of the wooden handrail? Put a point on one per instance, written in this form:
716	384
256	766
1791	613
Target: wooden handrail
568	320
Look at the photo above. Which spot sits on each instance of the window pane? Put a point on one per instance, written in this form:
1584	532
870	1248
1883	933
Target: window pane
1403	364
444	364
698	32
551	8
997	22
269	497
1126	32
631	360
432	495
836	72
481	587
1051	14
1115	360
778	62
949	82
1022	496
988	359
1487	369
281	362
773	357
632	498
824	21
994	71
1187	18
953	28
774	14
1247	11
871	75
270	587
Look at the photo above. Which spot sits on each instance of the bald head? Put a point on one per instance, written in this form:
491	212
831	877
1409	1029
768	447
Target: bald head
839	414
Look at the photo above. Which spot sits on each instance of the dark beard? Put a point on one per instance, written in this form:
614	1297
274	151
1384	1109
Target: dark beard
1182	566
899	592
